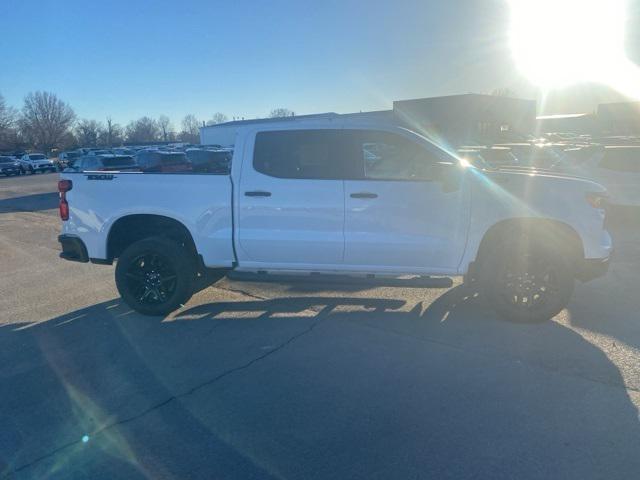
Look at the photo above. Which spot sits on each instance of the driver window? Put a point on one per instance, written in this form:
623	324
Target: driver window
388	156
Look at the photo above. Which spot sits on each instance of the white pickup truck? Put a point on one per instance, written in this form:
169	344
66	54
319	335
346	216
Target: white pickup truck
336	197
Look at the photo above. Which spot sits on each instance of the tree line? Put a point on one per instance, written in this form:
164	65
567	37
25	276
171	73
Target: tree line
46	122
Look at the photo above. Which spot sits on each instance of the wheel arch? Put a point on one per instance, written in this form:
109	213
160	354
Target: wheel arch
555	233
133	227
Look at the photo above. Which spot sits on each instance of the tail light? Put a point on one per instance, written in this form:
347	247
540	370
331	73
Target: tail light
598	199
63	187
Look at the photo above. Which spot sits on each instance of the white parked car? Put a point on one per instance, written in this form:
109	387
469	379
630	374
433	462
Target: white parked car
615	167
36	162
336	197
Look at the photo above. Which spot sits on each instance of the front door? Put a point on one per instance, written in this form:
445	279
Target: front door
407	212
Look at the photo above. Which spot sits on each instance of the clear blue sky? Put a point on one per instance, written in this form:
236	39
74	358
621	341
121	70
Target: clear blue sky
131	58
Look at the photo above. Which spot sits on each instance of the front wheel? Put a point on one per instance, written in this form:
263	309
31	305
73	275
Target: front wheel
526	282
155	276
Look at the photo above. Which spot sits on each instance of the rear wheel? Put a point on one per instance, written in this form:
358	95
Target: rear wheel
526	282
155	276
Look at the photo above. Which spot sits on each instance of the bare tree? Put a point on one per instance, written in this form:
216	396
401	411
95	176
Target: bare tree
190	129
217	118
166	129
7	115
89	132
281	112
8	133
45	120
112	134
143	130
69	141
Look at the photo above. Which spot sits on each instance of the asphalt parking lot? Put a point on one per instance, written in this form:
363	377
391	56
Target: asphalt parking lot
304	381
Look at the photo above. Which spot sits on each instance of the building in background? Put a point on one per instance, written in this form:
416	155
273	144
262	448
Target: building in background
469	119
224	134
455	120
574	123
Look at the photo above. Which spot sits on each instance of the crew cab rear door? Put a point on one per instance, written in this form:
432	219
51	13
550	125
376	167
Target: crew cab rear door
291	200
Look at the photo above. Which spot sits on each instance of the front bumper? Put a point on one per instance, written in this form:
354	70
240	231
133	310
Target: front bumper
592	268
10	170
73	249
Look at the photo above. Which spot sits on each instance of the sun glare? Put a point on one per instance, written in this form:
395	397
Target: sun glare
560	42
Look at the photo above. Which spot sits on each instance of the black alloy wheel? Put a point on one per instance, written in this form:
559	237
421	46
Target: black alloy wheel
156	275
527	283
151	279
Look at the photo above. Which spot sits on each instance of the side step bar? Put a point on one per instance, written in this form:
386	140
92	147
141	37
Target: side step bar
333	279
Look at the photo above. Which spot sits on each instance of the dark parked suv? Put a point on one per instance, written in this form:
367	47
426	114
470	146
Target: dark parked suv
9	166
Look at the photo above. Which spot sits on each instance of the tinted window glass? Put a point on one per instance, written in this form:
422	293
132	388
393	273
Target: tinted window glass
388	156
622	160
37	157
313	154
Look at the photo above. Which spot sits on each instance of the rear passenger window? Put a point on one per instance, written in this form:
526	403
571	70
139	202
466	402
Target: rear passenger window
622	160
388	156
309	154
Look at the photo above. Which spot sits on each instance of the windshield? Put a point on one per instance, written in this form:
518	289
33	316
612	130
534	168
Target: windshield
37	157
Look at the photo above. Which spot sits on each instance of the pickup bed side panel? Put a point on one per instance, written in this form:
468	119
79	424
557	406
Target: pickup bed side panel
202	203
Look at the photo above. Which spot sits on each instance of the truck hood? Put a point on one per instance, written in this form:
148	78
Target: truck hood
529	176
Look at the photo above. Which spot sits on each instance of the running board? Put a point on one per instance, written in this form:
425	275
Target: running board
333	279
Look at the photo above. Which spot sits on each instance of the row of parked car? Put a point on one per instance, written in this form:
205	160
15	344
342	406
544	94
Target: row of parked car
613	162
19	164
151	159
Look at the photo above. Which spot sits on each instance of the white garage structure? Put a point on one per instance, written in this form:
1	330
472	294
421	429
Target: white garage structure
224	134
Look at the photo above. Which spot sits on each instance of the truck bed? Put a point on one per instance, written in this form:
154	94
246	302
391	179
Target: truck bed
201	202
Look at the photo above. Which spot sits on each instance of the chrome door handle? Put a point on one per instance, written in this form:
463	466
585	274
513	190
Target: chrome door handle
257	193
